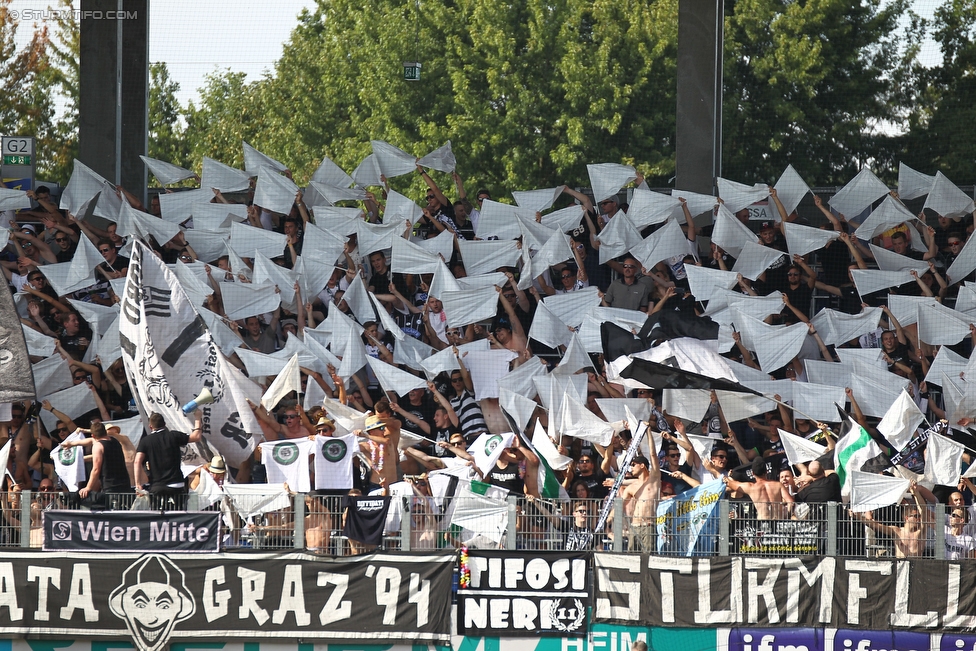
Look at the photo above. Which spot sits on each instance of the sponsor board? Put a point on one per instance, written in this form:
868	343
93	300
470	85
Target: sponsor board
137	531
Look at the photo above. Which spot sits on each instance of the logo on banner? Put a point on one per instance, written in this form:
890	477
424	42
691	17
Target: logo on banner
334	451
567	615
61	531
492	443
285	453
67	456
152	599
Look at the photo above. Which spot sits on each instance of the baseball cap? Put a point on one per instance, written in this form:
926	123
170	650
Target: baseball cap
767	226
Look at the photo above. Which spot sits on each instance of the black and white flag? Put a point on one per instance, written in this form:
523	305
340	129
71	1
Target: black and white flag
170	357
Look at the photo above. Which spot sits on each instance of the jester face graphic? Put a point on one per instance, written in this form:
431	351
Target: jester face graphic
152	599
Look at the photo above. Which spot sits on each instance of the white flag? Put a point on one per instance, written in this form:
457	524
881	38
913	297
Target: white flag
943	459
900	421
870	491
487	448
69	463
287	462
288	380
799	449
333	461
170	356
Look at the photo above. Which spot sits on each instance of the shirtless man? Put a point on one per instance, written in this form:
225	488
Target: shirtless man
383	432
772	500
909	539
640	499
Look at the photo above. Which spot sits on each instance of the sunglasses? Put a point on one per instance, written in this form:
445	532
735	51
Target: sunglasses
457	379
565	276
81	377
954	243
630	266
956	515
674	456
290	416
45	489
718	456
585	460
60	239
27	245
430	196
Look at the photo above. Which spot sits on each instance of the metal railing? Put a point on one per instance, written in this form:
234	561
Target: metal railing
316	524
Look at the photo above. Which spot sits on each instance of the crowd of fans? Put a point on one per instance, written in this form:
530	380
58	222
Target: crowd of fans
449	415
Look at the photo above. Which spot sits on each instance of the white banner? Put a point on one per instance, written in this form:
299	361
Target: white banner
156	309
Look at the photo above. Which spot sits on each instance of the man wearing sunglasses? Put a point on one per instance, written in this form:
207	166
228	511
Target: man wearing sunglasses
625	292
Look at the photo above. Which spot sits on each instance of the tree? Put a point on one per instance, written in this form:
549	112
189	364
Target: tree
28	106
229	111
167	137
61	149
529	91
805	83
944	102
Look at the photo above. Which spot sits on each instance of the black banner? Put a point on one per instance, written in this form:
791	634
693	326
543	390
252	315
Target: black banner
154	599
524	594
814	592
133	531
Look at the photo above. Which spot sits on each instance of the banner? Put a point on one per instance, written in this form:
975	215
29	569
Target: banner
919	594
797	537
511	594
687	525
16	375
911	456
632	450
137	531
155	599
170	356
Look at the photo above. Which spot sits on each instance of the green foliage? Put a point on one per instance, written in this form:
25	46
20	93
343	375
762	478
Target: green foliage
27	106
527	92
807	83
167	136
944	100
230	110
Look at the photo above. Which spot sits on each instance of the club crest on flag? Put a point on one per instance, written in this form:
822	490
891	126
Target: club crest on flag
285	453
67	456
492	443
334	450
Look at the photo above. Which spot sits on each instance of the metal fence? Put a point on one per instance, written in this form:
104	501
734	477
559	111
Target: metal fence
315	523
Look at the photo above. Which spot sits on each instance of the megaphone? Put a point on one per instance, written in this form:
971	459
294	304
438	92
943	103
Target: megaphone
205	398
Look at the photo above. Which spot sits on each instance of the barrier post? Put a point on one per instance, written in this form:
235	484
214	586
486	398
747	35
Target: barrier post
298	508
723	528
831	528
406	524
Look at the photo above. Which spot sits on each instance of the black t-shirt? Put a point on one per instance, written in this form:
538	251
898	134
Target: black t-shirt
800	297
163	453
366	518
578	539
826	489
507	477
410	323
594	483
443	434
121	262
115	475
